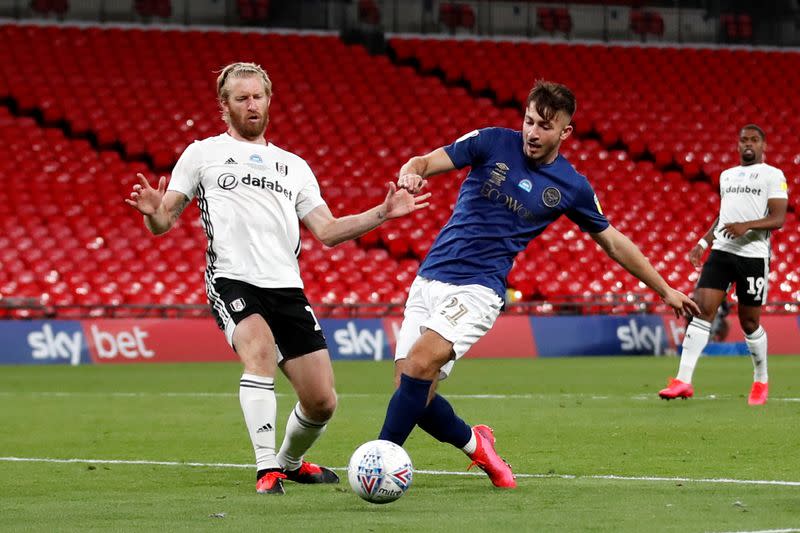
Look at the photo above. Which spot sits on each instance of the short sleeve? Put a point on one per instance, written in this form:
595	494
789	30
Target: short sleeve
186	174
777	185
586	211
309	197
472	148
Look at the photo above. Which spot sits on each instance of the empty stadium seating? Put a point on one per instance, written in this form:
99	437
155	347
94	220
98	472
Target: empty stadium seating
153	8
91	107
253	11
665	122
553	20
736	27
369	12
454	16
644	23
45	7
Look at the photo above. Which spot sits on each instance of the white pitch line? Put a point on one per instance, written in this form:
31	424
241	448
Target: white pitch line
791	530
61	394
608	477
587	396
68	394
119	462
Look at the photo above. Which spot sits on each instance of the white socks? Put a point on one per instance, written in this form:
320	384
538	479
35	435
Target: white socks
472	445
257	398
757	343
301	433
694	341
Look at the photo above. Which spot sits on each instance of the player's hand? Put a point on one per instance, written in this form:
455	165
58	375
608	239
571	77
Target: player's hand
696	256
681	304
146	199
732	230
413	183
400	202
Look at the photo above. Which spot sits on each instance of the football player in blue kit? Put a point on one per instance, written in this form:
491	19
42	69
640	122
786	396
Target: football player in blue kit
518	185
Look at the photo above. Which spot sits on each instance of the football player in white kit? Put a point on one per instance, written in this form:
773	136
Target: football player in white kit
251	194
753	203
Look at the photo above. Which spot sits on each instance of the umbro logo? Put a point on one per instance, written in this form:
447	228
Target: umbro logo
265	427
230	161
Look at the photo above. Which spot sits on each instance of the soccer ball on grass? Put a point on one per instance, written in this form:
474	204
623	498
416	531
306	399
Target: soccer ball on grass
380	471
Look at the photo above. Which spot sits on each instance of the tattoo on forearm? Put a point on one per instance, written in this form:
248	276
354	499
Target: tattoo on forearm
179	207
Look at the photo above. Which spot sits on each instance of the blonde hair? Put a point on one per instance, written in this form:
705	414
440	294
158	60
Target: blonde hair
240	70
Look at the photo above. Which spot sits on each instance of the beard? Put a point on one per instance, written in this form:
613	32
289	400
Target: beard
249	129
748	156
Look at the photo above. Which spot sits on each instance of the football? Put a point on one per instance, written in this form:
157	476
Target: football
380	471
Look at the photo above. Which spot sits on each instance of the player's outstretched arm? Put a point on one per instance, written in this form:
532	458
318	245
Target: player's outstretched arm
332	231
160	208
412	175
623	251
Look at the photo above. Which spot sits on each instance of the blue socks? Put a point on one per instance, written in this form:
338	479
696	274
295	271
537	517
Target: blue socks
405	409
443	424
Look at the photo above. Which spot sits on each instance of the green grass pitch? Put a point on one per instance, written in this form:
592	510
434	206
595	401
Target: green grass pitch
594	448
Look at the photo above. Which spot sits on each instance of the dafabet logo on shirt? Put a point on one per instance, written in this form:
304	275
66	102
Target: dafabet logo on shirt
228	182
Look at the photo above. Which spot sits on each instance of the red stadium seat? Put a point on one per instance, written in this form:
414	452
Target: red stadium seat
369	12
619	143
545	19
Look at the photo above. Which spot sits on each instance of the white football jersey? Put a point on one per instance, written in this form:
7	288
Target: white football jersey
250	197
744	191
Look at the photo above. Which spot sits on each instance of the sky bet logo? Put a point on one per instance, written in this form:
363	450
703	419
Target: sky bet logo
361	339
641	338
228	182
49	345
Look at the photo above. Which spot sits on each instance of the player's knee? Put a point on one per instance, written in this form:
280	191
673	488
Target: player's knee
255	349
260	363
749	325
421	368
321	408
707	313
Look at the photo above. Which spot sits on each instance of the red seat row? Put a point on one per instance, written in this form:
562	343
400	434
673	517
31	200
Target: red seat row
66	236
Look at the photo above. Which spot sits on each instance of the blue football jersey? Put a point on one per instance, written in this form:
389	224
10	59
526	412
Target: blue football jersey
505	202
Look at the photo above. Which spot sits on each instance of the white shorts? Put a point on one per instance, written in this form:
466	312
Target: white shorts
461	314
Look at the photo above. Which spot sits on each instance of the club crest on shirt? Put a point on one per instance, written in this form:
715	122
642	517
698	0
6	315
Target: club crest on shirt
282	169
525	185
551	197
238	305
